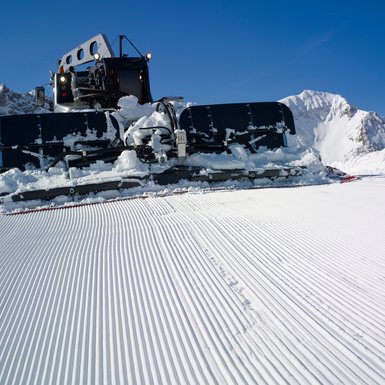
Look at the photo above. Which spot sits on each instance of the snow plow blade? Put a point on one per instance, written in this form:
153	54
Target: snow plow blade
210	128
39	138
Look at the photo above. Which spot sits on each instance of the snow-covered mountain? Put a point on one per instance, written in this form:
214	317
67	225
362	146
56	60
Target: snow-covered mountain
14	103
346	137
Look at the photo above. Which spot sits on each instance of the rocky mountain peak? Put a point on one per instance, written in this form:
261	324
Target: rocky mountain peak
336	128
14	103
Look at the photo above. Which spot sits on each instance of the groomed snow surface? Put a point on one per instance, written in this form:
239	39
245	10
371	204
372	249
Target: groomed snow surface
244	287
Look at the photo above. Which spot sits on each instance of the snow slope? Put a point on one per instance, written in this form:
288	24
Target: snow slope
249	287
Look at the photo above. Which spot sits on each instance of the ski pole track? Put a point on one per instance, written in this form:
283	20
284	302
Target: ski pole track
321	244
352	247
249	347
194	289
302	265
248	238
265	322
190	276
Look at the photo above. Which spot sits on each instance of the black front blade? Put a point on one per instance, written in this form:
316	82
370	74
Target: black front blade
23	136
254	125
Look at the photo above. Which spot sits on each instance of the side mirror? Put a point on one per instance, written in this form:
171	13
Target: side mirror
40	96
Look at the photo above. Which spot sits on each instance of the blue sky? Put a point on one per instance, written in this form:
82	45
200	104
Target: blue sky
212	51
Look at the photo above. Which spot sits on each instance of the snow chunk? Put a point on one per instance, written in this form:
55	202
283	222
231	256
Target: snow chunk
238	151
11	180
130	109
128	161
137	132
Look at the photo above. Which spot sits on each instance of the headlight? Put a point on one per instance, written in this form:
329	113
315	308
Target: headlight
96	56
148	56
62	79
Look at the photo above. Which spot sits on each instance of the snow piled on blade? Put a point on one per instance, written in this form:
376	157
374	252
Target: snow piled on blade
130	110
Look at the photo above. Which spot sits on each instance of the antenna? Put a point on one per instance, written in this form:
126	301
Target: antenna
121	37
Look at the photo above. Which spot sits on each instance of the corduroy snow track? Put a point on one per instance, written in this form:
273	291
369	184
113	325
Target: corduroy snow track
222	288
